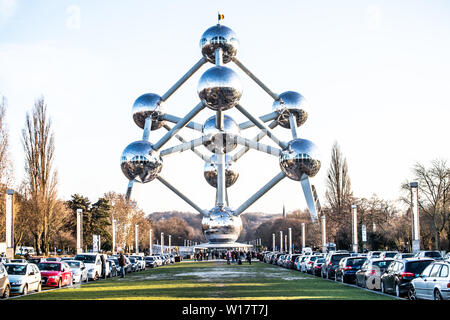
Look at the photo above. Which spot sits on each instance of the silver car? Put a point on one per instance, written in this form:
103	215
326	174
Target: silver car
23	277
433	283
79	271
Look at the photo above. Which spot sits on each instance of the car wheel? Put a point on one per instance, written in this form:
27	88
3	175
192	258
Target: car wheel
412	293
437	295
25	290
6	293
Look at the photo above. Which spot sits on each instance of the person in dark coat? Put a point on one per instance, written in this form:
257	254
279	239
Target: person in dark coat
122	264
249	258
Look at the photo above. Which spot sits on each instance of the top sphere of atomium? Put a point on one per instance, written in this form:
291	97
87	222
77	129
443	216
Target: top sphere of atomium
221	226
222	37
140	162
148	105
301	156
290	102
220	87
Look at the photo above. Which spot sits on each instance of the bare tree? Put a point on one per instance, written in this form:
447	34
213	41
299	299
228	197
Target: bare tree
41	178
434	195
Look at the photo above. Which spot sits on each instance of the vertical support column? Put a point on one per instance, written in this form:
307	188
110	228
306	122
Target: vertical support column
221	186
151	242
113	236
10	222
324	234
79	231
415	215
281	241
285	243
162	243
136	236
355	228
147	128
273	241
303	235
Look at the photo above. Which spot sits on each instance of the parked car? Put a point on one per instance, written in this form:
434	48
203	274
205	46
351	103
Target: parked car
297	261
436	255
331	263
369	276
280	259
4	260
275	258
447	257
401	255
5	286
23	277
150	262
140	261
56	259
309	263
317	266
291	262
114	269
18	261
67	258
93	263
400	273
36	260
55	274
388	254
79	271
433	283
347	268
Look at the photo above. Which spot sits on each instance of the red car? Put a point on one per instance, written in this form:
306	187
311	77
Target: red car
55	274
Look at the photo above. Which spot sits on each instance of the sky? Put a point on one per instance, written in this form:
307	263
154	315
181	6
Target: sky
375	75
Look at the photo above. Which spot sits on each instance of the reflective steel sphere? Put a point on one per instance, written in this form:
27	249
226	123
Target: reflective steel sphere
290	102
221	140
210	172
220	87
140	162
221	226
301	156
148	104
219	36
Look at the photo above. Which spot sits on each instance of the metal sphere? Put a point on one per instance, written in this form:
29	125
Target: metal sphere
210	172
140	162
222	140
290	102
219	36
220	87
148	105
301	156
221	226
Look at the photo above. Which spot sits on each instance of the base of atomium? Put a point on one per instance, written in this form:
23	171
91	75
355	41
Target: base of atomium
221	225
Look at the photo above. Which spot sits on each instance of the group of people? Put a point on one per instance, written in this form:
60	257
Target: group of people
232	256
238	256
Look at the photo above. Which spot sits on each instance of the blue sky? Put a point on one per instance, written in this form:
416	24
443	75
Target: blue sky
375	74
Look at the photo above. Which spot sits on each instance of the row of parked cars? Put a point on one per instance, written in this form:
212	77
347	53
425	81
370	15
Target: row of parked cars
23	276
424	275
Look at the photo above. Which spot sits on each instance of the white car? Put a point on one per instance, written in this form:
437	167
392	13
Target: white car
433	283
140	261
94	264
23	277
158	260
79	271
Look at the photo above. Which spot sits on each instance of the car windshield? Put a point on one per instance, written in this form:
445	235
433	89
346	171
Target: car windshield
49	266
16	269
133	260
382	263
375	254
85	258
356	262
417	267
433	254
390	254
149	258
320	260
407	255
313	258
74	264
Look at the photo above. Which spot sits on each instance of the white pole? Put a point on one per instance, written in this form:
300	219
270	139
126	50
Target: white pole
10	218
415	213
303	235
324	235
355	228
136	234
281	241
114	236
170	243
290	240
162	242
151	242
79	230
273	241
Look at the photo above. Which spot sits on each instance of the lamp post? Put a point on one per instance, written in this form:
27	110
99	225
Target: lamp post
290	240
415	215
10	222
136	235
79	231
162	243
281	241
303	235
151	242
355	229
273	241
114	236
324	235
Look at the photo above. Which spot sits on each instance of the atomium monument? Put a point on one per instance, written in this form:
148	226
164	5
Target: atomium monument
220	89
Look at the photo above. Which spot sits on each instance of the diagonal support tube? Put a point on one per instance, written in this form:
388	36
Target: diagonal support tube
198	153
260	135
182	196
280	176
181	124
129	189
174	119
254	78
185	146
309	197
183	79
261	125
265	118
257	146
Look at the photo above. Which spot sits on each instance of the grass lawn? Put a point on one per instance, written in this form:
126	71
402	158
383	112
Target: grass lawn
211	280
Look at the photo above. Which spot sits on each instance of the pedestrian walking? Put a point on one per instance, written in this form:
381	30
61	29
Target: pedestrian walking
122	264
249	258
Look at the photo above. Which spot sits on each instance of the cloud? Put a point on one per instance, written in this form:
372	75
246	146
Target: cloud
7	10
